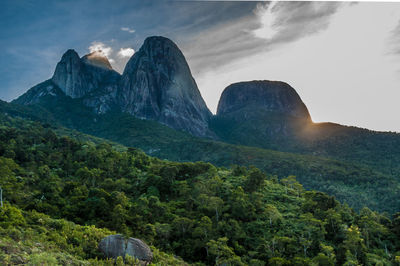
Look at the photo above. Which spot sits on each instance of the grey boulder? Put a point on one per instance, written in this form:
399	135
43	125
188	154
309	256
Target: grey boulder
114	246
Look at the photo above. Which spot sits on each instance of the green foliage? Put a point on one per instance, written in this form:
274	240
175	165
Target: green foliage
359	167
59	191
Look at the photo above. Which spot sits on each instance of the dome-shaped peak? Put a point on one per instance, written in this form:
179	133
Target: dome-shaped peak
152	39
97	58
274	96
158	44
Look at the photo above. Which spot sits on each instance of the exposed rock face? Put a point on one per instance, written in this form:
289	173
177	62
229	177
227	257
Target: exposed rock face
114	246
157	84
270	96
77	77
70	75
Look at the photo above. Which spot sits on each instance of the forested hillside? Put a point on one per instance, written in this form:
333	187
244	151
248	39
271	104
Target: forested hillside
252	127
199	212
358	185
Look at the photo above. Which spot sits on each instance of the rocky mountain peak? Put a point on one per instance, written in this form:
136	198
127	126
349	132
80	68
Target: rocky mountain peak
157	84
77	77
70	54
269	96
70	76
97	58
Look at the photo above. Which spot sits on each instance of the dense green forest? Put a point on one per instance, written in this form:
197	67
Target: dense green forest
251	126
59	192
356	184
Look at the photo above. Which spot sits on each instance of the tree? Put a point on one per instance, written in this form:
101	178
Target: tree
254	180
203	232
222	253
272	213
354	244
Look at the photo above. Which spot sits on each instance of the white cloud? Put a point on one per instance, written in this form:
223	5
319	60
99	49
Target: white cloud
267	19
125	52
100	47
128	29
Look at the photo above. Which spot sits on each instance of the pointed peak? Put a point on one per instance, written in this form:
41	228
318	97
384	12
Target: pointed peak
97	58
70	53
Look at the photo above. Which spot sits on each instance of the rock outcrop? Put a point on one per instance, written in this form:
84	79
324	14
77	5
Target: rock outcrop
114	246
268	96
157	84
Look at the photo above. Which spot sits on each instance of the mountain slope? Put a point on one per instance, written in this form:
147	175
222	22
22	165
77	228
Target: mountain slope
204	214
355	184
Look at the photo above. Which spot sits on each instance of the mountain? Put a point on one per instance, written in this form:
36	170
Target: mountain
157	84
89	78
77	77
271	115
269	96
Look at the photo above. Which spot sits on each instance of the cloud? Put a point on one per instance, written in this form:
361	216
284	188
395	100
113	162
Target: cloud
269	26
283	22
127	29
125	52
393	40
266	18
100	47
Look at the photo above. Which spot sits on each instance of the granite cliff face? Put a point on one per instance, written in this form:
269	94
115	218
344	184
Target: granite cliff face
267	96
157	84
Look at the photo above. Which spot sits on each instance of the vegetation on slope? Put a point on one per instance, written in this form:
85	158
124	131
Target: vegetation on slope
33	238
357	185
268	130
204	214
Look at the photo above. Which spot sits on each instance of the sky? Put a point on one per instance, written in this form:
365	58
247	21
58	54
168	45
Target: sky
342	58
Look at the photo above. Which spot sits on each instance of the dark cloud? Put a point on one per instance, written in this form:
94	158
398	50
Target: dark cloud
295	20
226	42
